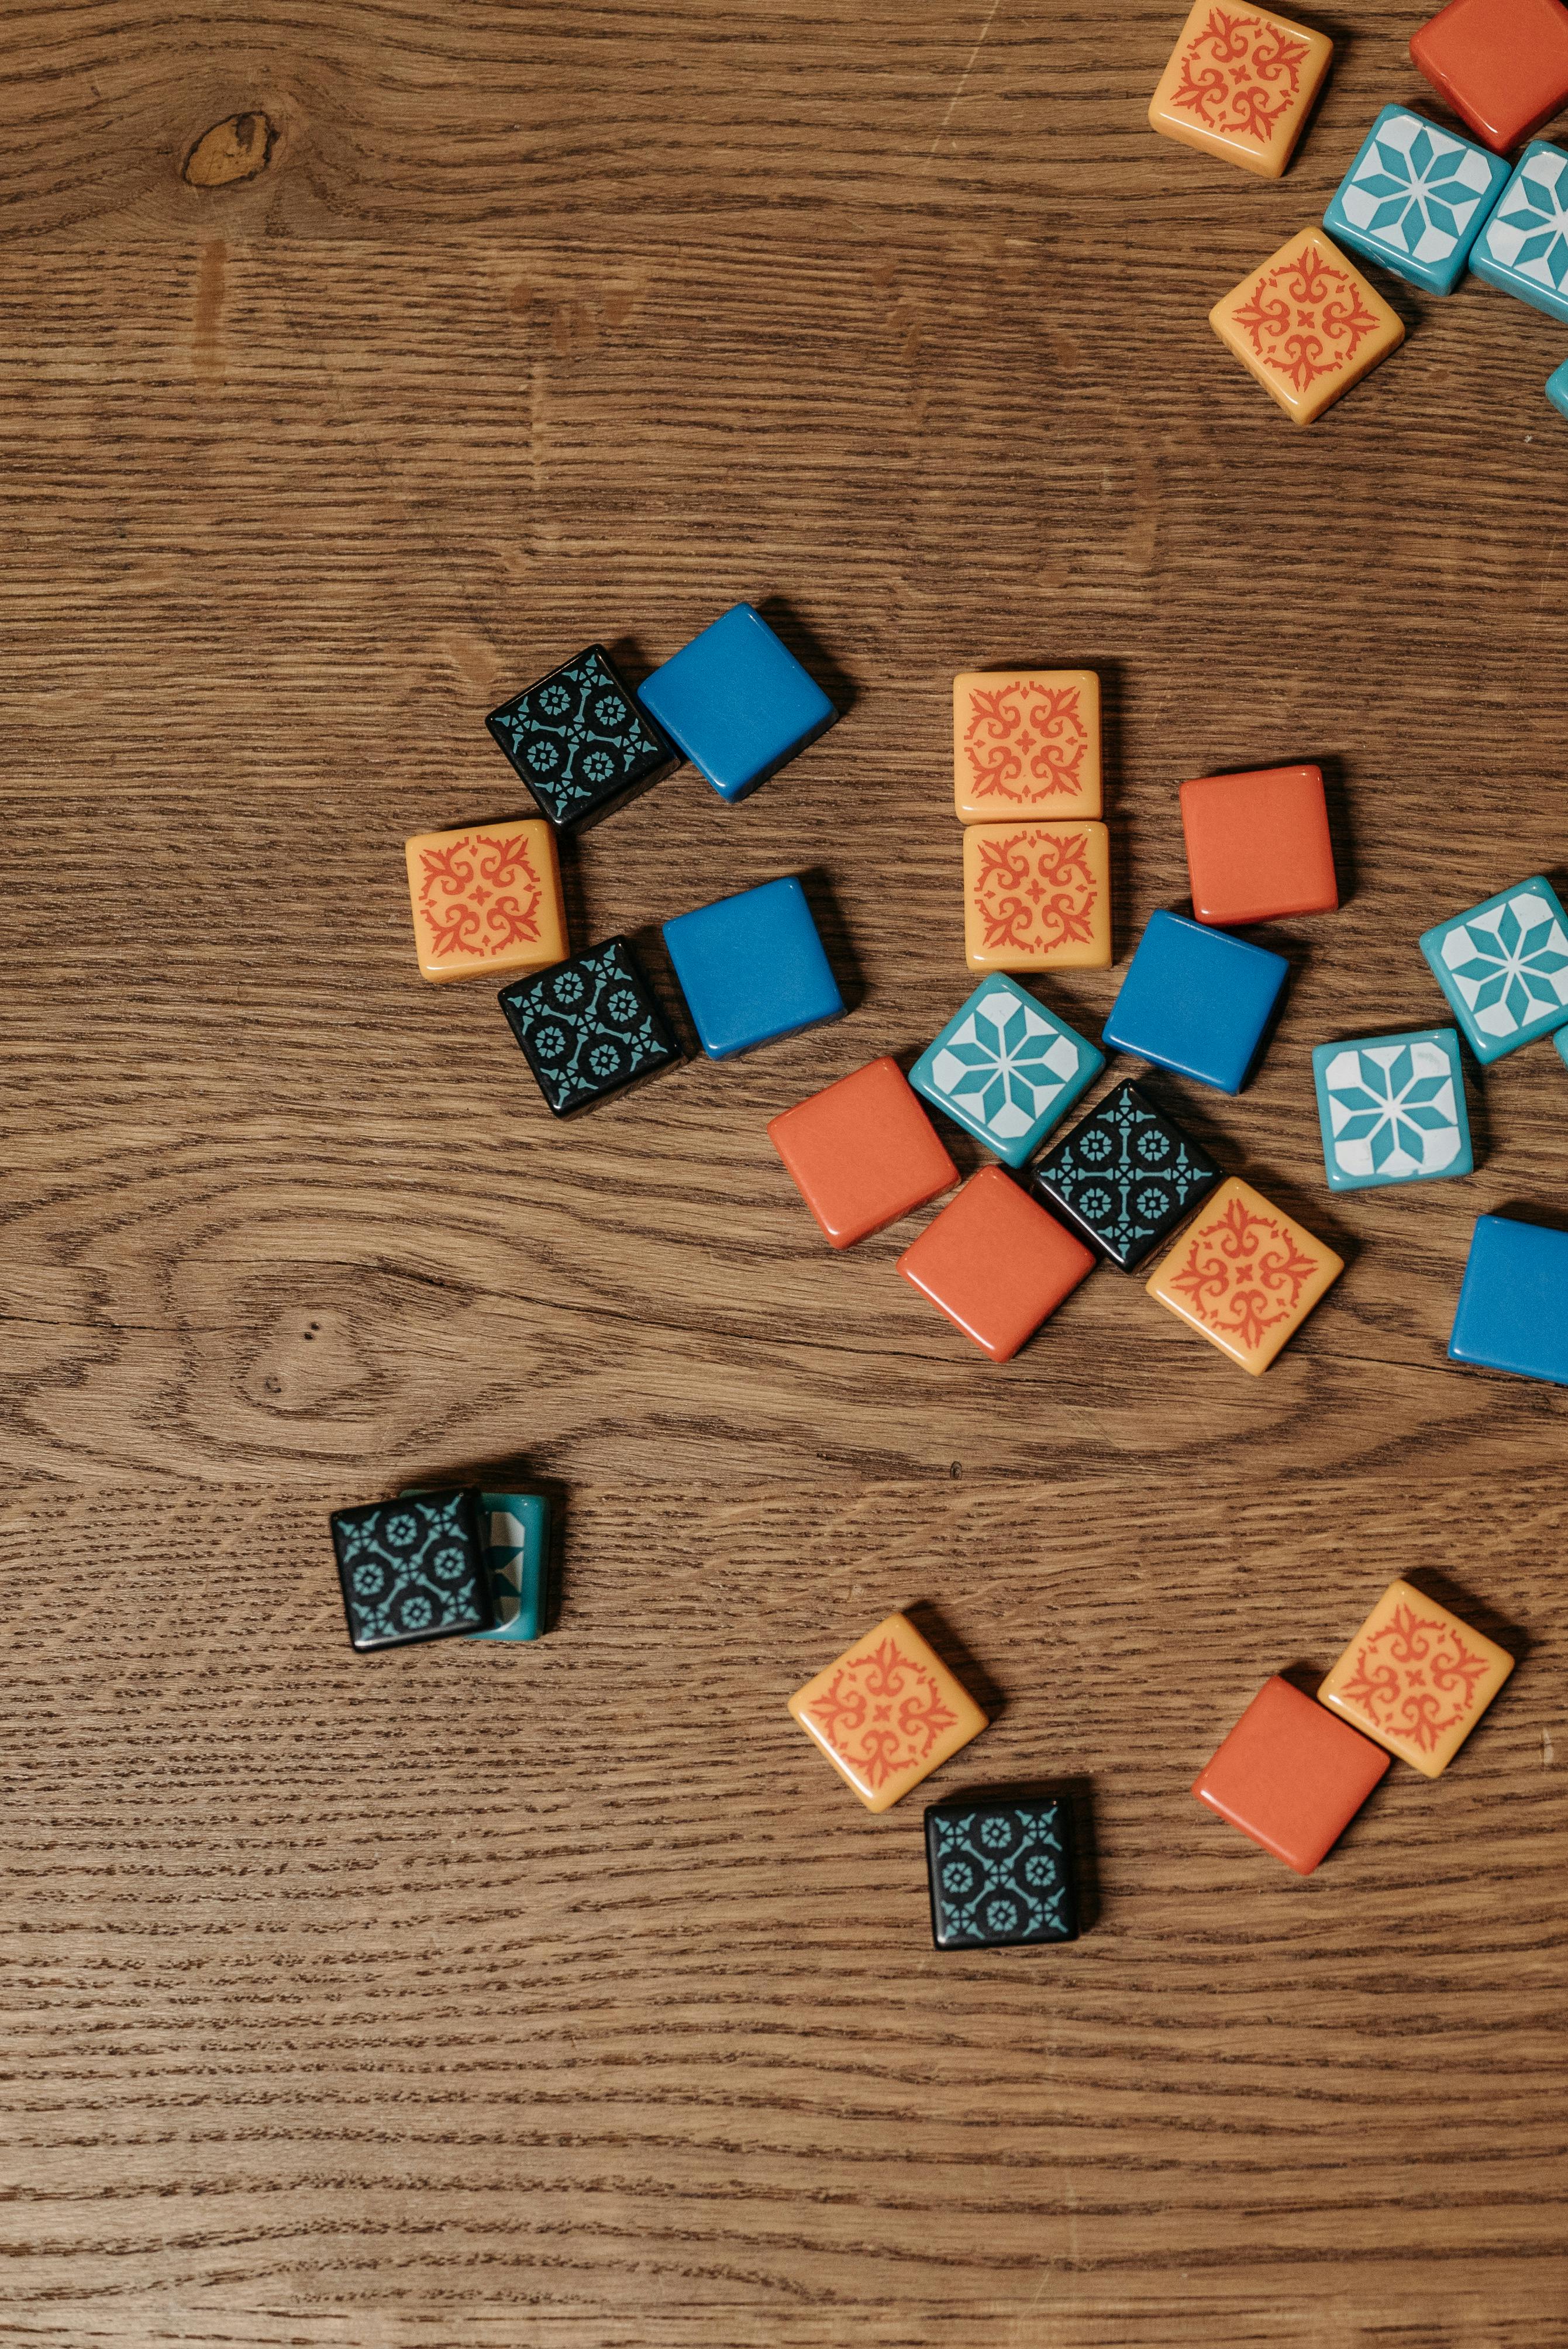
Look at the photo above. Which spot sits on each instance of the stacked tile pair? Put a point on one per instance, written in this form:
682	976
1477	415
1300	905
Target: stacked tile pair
1028	791
442	1564
1412	1684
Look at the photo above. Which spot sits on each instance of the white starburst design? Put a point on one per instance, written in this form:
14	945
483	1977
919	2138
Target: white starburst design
1528	231
1005	1064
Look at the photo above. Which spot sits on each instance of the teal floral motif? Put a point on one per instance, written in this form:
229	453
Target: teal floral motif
1006	1068
411	1568
1391	1109
1000	1873
1527	233
1416	189
1510	962
589	1026
578	738
517	1559
1125	1178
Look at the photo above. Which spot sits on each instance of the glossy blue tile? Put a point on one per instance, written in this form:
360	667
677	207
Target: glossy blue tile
517	1560
1557	389
1503	967
1391	1109
752	969
1523	248
1513	1307
1005	1069
1415	199
738	702
1197	1000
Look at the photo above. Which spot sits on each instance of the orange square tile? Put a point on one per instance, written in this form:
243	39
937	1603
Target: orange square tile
1245	1275
887	1714
1037	897
1290	1775
1258	846
1416	1679
1026	741
1240	84
862	1153
1502	65
1308	324
487	900
995	1263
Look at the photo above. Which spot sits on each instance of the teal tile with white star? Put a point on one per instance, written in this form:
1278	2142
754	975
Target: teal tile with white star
1005	1069
1392	1109
1415	199
1523	248
1503	967
1557	389
517	1561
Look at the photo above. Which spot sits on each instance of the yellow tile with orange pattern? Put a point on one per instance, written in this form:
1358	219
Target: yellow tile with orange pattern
1244	1275
1026	741
1308	324
1037	897
1240	84
887	1712
487	900
1416	1679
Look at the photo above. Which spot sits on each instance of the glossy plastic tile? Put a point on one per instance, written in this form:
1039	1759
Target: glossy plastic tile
1502	65
486	900
1005	1069
1125	1179
887	1714
1416	1679
1000	1872
1026	742
1245	1275
1391	1109
1308	324
1291	1775
862	1153
1503	967
752	969
995	1263
1523	248
1037	897
1197	1001
579	741
1513	1311
412	1568
1560	1040
1258	846
517	1560
1415	199
1240	84
738	702
1557	389
589	1028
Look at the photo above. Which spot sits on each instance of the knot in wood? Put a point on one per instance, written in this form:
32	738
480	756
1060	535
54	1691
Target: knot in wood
235	148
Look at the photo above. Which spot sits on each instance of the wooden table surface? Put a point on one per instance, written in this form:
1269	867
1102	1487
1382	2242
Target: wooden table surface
563	1996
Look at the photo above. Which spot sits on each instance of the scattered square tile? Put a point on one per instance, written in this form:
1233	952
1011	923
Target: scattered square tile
1392	1109
752	969
1005	1069
1416	1679
1245	1275
1503	967
995	1263
1240	84
1125	1179
412	1568
1291	1775
1026	742
738	702
1513	1311
1197	1001
1415	199
1308	324
517	1560
486	899
579	740
1524	247
1502	65
1258	846
862	1153
1000	1871
887	1712
1037	897
590	1027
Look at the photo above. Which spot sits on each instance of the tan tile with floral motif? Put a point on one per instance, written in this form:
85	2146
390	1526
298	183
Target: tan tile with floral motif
1416	1679
1037	897
887	1712
1244	1275
487	900
1308	324
1026	742
1240	83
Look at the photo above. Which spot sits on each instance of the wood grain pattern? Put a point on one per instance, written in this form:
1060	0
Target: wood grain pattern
564	1998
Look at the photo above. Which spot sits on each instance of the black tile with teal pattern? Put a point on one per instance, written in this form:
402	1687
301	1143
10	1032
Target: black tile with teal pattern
580	740
1125	1178
1001	1871
413	1568
589	1026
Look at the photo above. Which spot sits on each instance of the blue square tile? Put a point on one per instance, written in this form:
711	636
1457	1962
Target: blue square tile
752	969
1392	1109
1513	1307
1415	199
1005	1069
1523	248
517	1560
1197	1000
1000	1871
1503	967
738	702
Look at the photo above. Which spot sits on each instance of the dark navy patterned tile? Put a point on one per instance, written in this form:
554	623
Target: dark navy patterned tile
580	739
412	1568
1001	1872
589	1026
1125	1178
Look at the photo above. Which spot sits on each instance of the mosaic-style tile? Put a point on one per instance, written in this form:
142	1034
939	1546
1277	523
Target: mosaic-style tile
1240	84
1416	1679
1245	1275
1037	897
1503	967
590	1027
1026	742
579	739
1392	1109
517	1560
1000	1872
486	900
1126	1177
412	1568
1308	324
1415	199
1005	1069
1523	248
887	1712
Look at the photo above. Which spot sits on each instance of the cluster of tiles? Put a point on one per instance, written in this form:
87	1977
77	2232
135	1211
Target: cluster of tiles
443	1564
1421	199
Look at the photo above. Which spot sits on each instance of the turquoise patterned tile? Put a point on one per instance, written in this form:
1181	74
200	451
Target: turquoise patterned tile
1392	1109
1415	199
1503	967
517	1560
1005	1069
1523	248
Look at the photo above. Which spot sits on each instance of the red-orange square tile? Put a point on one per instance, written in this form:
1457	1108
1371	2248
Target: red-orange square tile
1258	846
862	1153
995	1263
1291	1775
1502	65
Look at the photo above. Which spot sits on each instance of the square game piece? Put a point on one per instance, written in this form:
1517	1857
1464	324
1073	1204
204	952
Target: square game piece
1291	1775
752	969
412	1568
1415	199
1524	247
1392	1109
1026	741
995	1263
738	702
1037	897
517	1560
579	741
1308	324
1514	1306
1005	1069
1000	1872
1197	1001
1241	84
1560	1040
1245	1275
1504	968
486	900
862	1153
1502	65
1125	1178
1557	389
1416	1679
590	1027
887	1714
1258	846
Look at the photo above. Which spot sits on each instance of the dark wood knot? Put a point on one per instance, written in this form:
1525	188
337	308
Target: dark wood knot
233	149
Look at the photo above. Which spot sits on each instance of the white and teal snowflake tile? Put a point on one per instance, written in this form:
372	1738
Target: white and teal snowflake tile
1392	1109
1415	199
1560	1040
1523	248
1557	389
1005	1069
1503	967
517	1560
